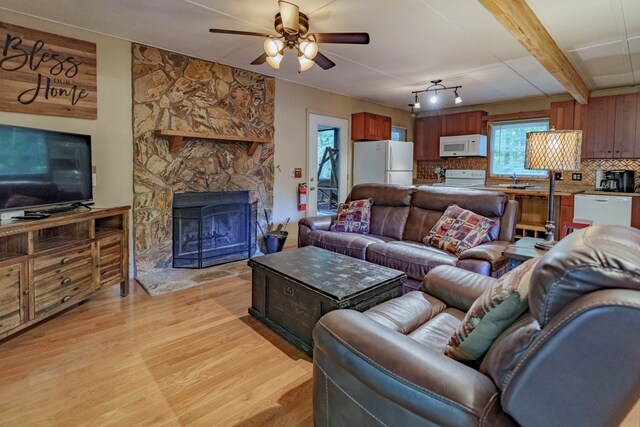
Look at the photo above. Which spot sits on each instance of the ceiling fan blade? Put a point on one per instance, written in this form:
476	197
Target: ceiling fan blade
260	59
347	38
323	62
290	14
238	33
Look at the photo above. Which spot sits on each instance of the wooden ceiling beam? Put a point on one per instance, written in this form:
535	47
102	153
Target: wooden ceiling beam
518	18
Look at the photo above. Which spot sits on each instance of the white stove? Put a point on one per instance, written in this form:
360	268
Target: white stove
464	178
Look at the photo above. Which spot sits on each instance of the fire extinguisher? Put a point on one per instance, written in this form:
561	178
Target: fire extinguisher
302	196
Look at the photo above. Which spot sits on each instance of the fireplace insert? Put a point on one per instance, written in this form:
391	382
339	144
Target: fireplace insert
213	228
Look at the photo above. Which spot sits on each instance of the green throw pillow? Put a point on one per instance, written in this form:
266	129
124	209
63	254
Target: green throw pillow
491	314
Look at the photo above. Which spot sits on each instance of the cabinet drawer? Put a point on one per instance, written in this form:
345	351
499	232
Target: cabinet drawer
9	297
56	291
67	278
68	259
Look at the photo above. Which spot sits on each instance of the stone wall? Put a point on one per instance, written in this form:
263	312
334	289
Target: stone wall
173	91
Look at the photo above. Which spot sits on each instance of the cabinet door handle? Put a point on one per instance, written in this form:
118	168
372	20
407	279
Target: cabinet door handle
66	281
288	291
66	298
65	260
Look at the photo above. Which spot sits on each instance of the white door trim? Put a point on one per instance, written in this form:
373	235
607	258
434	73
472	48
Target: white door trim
315	120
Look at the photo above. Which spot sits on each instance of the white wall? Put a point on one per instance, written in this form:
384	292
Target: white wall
293	104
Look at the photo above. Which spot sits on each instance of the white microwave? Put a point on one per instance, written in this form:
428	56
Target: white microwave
463	146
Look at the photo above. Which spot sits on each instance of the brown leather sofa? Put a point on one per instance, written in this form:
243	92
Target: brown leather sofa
401	216
572	360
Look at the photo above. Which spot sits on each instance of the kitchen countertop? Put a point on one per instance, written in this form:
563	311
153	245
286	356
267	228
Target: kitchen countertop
610	193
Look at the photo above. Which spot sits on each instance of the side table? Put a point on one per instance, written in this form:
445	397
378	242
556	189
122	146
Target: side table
521	251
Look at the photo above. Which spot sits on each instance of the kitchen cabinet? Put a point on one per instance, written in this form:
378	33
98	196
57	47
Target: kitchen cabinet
463	124
370	127
566	212
561	115
624	134
426	138
610	126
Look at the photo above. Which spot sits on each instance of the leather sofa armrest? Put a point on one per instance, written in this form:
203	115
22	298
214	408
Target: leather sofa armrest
394	374
317	222
490	251
454	286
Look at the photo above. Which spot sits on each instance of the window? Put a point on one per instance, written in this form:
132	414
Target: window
398	133
508	141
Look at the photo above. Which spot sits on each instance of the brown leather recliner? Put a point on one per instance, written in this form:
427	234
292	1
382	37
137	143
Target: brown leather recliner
572	360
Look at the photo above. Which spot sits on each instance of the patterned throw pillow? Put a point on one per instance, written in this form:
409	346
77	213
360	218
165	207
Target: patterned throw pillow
353	217
491	314
459	229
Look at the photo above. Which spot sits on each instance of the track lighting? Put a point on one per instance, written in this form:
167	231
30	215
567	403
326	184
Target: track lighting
436	87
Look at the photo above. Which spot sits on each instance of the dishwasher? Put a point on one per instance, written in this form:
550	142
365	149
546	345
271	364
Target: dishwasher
602	209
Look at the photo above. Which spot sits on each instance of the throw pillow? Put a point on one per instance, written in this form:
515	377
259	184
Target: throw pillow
491	314
459	229
353	217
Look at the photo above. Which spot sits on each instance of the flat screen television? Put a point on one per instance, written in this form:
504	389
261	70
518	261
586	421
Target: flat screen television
41	167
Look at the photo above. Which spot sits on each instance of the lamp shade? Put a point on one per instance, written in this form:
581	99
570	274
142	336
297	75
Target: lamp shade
555	150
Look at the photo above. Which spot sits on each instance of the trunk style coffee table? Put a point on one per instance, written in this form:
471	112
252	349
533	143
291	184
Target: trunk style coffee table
291	290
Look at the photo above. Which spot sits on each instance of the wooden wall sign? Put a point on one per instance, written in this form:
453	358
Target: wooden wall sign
43	73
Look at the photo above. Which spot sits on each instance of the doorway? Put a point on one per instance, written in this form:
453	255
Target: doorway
327	164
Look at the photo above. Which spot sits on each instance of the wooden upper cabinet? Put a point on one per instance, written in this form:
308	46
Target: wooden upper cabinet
562	115
463	123
626	122
370	127
611	126
600	125
426	138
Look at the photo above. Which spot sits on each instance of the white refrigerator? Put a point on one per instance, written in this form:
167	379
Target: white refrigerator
384	162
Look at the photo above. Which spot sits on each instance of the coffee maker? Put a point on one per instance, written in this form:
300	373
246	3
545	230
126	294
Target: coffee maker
620	181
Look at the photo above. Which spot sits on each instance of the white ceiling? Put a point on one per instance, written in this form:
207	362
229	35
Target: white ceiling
412	42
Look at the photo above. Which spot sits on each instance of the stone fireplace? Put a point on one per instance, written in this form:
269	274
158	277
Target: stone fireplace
213	228
176	92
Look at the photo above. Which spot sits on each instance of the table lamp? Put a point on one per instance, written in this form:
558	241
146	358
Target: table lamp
553	150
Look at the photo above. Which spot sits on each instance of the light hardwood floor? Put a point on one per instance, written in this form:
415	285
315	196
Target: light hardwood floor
187	358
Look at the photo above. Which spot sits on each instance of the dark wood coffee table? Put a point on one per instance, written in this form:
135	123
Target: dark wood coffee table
291	290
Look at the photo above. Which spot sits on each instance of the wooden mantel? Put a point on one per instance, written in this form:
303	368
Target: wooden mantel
176	136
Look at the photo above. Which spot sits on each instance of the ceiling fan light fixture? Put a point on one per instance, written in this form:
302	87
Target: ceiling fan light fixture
274	61
309	49
416	103
273	46
305	63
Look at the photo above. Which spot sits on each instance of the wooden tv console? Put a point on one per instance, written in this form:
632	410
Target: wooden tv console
48	265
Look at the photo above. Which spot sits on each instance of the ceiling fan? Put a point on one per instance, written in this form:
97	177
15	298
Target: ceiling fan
292	27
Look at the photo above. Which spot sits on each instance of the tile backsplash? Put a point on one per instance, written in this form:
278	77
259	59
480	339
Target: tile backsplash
425	169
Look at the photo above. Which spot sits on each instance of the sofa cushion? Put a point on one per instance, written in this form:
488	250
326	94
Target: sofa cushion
436	332
486	203
419	223
383	194
388	220
351	244
493	312
582	262
458	230
407	312
415	259
353	217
